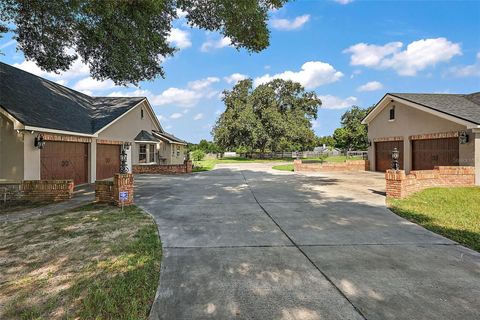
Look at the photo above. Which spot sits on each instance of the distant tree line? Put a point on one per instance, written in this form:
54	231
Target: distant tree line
277	116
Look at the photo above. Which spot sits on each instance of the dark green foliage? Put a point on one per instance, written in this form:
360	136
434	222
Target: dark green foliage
274	116
353	134
122	40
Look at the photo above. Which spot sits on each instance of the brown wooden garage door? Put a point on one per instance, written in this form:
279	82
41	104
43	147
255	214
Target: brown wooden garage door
427	154
383	154
64	160
108	160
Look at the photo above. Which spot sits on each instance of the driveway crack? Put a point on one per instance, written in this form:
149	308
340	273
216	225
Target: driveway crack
300	249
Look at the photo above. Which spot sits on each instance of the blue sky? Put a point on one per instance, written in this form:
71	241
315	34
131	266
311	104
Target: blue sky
348	52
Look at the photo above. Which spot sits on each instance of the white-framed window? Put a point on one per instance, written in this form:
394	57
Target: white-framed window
142	153
151	156
178	151
391	116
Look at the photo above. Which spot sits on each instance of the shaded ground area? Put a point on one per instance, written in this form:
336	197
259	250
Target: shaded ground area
82	195
247	242
94	262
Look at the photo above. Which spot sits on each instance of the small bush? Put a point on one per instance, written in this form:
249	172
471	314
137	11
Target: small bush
198	155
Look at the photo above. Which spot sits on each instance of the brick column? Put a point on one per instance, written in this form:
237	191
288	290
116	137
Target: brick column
122	182
297	164
188	166
396	184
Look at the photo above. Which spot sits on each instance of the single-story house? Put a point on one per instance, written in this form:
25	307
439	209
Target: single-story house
48	131
428	129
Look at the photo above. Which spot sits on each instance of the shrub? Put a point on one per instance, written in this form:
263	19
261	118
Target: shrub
197	155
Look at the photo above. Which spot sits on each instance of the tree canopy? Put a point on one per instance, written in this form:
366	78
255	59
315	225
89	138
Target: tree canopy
124	40
352	135
273	116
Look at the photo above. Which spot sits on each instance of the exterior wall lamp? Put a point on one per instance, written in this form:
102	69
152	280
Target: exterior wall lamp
126	145
463	137
123	161
39	142
395	157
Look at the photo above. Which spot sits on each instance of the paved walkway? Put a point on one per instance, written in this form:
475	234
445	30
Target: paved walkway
246	242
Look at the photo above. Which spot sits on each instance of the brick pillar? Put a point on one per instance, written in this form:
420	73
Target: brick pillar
297	164
396	184
188	166
122	182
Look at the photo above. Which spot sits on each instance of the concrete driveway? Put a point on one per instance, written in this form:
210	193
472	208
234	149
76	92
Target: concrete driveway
246	242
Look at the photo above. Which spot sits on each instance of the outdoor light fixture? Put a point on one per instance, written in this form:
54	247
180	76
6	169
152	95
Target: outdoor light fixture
395	157
39	142
462	137
123	161
126	145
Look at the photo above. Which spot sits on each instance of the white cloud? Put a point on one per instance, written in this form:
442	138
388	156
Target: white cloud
179	38
472	70
370	86
215	44
181	97
181	14
333	102
161	118
90	85
312	75
202	84
417	56
370	55
235	77
77	70
176	115
198	116
343	1
285	24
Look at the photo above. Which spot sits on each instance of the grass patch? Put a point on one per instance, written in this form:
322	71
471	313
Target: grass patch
451	212
209	164
95	262
284	167
17	205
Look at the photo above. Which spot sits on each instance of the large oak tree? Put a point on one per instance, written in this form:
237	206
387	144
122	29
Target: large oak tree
125	40
274	116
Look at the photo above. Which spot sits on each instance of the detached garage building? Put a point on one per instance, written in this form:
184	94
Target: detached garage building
428	129
82	136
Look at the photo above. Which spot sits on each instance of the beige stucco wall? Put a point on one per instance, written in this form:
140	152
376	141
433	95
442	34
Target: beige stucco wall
128	127
11	151
410	121
476	141
31	168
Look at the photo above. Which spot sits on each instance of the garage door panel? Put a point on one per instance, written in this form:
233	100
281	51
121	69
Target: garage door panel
426	154
64	160
108	160
383	154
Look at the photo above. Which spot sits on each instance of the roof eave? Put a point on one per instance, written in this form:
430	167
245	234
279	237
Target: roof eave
384	101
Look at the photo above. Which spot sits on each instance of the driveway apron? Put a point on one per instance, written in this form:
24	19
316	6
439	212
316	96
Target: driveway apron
247	242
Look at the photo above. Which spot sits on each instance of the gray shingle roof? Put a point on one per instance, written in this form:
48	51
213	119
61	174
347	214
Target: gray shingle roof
462	106
167	136
38	102
145	136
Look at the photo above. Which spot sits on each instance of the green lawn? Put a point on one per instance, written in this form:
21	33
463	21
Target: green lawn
451	212
209	164
289	167
95	262
284	167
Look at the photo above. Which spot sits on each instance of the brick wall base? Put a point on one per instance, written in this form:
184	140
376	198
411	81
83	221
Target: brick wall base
186	167
10	191
109	191
400	185
349	165
46	190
